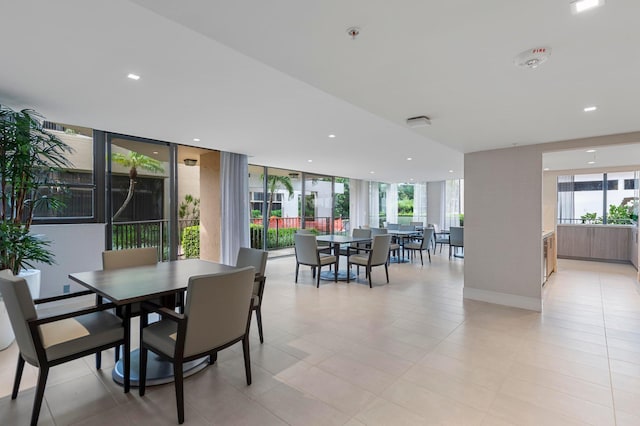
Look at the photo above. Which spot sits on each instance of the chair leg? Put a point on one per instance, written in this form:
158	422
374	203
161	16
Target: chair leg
317	277
369	273
98	360
143	371
348	271
213	357
247	358
259	320
335	274
37	401
179	376
386	270
16	382
421	261
297	268
429	253
117	353
126	361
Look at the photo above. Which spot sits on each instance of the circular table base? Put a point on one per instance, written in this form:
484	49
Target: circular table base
159	371
342	275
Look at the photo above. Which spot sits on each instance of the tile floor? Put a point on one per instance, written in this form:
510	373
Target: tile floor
412	352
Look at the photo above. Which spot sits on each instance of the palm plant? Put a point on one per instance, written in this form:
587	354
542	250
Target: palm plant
134	161
274	182
28	156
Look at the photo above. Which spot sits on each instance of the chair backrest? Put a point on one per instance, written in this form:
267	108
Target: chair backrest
434	226
128	258
392	226
380	249
306	248
21	309
420	224
304	231
217	309
456	236
428	236
361	233
406	228
252	257
379	231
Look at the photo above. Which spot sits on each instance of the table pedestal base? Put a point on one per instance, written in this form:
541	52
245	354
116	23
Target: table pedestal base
342	275
159	371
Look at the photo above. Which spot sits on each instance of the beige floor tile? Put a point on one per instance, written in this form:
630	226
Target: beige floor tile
523	413
332	390
382	413
570	406
362	375
435	408
298	408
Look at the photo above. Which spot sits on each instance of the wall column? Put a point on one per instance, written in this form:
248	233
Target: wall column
210	211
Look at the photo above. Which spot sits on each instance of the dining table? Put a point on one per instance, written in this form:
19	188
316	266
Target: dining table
401	236
336	241
137	284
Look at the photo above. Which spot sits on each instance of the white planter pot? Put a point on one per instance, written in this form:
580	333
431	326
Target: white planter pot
32	277
6	332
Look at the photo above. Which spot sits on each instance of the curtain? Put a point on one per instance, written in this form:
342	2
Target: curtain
358	203
234	197
420	203
374	204
392	203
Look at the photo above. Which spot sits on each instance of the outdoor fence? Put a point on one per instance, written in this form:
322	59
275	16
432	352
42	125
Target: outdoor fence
147	233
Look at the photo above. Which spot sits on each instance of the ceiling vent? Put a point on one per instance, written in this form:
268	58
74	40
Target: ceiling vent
532	58
420	121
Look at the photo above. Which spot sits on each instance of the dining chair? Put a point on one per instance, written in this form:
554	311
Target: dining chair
355	247
306	248
456	238
258	259
377	256
45	342
423	244
128	258
441	238
323	247
394	246
392	226
217	315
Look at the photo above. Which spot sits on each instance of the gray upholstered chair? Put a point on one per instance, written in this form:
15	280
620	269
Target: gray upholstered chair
377	256
441	238
355	247
456	238
424	243
322	247
392	226
306	248
49	341
128	258
257	259
394	247
217	315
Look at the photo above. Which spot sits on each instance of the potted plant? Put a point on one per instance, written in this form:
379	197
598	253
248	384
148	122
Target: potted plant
29	155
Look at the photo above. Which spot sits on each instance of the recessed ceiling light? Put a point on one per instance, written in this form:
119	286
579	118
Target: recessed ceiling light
409	158
155	152
411	179
450	171
578	6
309	161
372	172
591	162
591	150
133	76
196	139
332	136
590	108
546	169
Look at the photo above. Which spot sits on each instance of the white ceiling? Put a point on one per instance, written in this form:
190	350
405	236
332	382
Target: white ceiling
273	79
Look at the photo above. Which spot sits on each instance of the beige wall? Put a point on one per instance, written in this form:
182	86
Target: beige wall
504	220
210	211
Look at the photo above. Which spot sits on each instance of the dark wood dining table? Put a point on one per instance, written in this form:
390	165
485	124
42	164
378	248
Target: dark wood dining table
335	241
128	285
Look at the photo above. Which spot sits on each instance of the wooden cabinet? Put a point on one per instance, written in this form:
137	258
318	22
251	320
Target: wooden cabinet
599	242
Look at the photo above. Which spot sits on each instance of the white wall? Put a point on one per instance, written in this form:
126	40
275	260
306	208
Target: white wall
503	227
77	248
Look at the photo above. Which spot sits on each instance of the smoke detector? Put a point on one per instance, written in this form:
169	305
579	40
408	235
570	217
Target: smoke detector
353	32
419	121
532	58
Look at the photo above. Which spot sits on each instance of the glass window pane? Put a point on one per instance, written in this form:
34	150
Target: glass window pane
620	198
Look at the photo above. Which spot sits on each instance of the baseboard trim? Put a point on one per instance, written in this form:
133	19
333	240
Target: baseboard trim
506	299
